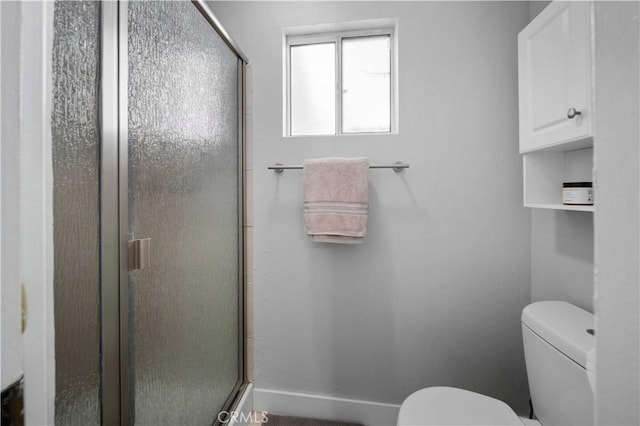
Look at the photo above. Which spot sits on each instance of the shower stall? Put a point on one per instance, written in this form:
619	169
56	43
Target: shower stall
147	136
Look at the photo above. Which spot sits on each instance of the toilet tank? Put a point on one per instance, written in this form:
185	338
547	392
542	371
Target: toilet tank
556	343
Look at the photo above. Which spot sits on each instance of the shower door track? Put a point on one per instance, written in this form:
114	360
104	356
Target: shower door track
115	395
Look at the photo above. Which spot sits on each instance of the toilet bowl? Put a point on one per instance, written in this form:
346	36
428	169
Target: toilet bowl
557	337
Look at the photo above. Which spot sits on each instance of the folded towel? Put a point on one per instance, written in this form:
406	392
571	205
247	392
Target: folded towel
336	199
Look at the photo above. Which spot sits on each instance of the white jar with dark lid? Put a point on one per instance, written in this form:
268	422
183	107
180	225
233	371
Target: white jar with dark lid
577	193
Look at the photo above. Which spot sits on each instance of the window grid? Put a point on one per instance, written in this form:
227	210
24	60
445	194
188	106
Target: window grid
337	37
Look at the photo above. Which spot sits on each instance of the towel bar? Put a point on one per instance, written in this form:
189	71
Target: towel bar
397	167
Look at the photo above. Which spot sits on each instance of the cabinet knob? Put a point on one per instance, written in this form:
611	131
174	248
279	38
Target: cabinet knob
573	112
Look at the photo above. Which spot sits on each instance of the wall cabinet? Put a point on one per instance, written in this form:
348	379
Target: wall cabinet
554	70
556	102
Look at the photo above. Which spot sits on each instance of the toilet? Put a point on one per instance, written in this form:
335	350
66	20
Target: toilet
556	346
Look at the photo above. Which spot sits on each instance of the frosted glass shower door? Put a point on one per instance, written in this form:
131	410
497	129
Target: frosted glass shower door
183	193
75	137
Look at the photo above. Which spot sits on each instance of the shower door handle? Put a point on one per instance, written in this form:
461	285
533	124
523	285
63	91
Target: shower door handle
139	253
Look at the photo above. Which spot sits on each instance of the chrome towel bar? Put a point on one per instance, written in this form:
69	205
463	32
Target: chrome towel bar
397	167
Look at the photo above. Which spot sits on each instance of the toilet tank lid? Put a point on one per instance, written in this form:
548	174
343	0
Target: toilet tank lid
562	325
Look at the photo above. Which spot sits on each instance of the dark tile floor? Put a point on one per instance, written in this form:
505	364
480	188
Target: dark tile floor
275	420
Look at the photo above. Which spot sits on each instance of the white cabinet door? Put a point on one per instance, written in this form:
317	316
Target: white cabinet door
554	76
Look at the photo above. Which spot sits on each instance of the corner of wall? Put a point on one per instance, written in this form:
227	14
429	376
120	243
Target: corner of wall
10	18
617	217
537	6
36	210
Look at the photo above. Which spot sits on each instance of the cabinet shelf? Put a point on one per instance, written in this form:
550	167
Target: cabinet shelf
546	170
570	145
561	207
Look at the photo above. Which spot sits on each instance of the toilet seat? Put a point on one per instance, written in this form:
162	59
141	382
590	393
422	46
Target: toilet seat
451	406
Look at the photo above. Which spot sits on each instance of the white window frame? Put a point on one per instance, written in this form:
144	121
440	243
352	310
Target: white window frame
336	37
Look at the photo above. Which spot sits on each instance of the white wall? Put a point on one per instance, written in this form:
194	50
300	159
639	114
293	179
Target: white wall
36	210
562	257
27	227
617	216
434	295
10	190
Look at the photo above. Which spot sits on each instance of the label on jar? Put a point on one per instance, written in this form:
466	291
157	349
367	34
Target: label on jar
583	196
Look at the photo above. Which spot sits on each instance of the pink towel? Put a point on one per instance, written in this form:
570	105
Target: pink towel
336	199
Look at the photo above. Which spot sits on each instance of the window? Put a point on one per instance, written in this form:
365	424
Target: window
340	83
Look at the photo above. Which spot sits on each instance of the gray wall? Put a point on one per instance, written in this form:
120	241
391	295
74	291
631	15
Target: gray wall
561	247
562	257
434	295
617	215
537	6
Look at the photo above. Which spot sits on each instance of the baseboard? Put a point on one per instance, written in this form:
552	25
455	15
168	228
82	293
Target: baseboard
325	407
242	414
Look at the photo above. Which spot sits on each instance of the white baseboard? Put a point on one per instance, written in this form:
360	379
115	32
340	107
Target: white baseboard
325	407
243	415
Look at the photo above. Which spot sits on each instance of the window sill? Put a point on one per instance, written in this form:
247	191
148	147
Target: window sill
343	135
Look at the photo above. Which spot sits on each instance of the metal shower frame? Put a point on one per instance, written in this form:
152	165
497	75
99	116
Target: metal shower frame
114	210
